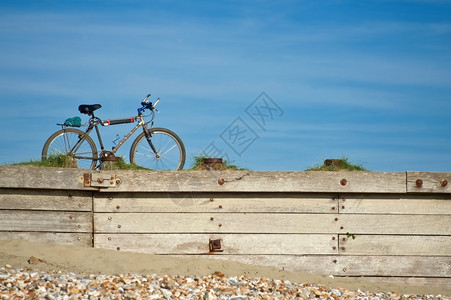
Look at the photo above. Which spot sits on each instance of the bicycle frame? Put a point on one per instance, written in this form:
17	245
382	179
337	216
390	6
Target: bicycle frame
94	122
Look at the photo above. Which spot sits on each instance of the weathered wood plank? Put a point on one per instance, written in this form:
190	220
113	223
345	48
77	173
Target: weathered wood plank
214	223
428	182
45	200
51	221
395	224
395	245
395	204
251	181
42	178
230	243
372	266
271	223
214	202
62	238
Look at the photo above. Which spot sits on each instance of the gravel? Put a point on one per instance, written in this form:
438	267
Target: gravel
28	284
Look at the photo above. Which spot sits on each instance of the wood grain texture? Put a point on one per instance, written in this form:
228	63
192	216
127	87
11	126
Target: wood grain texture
45	200
216	202
371	266
395	204
42	178
61	238
213	223
431	182
395	245
231	243
50	221
251	181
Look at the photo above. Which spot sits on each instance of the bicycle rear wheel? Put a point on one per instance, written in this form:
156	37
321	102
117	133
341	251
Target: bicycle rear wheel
170	151
60	146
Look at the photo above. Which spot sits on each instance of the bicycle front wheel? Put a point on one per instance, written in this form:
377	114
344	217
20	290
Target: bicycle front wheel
62	146
163	151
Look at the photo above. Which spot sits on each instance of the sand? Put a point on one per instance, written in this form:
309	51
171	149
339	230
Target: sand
48	257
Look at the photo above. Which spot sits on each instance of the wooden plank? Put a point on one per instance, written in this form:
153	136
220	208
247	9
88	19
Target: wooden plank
395	224
62	238
213	223
230	243
271	223
406	266
42	178
50	221
395	245
428	182
214	202
45	200
395	204
251	181
372	266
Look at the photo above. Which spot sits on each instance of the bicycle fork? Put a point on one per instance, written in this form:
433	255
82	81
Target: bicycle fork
149	140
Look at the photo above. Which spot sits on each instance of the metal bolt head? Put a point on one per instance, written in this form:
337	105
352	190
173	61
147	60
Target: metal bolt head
444	182
221	181
343	182
419	183
341	227
220	225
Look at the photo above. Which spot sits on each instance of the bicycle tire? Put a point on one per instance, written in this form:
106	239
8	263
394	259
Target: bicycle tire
170	155
62	141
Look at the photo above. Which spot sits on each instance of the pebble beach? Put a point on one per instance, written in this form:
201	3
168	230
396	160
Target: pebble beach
48	271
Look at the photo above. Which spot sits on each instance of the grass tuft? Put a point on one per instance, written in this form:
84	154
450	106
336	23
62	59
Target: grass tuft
345	165
198	164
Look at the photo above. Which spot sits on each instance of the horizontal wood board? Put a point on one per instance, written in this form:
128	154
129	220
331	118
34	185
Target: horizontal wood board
431	182
372	266
216	202
50	221
271	223
230	243
58	200
62	238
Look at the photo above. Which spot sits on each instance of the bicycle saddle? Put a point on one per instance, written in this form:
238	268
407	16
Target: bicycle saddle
88	109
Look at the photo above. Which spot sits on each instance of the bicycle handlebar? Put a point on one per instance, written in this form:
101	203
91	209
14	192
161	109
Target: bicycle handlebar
147	105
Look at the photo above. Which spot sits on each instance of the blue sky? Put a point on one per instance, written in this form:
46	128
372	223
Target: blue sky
370	80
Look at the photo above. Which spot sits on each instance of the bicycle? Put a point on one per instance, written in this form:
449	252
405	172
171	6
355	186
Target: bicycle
154	148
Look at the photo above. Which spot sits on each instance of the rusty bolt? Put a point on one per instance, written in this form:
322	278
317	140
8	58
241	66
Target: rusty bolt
118	248
100	180
344	199
211	199
220	225
221	181
333	208
335	261
118	181
111	198
334	248
109	238
343	182
444	182
119	226
336	219
70	217
333	198
110	218
343	248
333	238
118	207
343	207
112	178
211	219
220	206
80	205
79	226
341	227
344	239
419	183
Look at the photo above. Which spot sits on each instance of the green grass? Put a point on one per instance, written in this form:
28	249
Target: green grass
64	161
345	165
198	164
